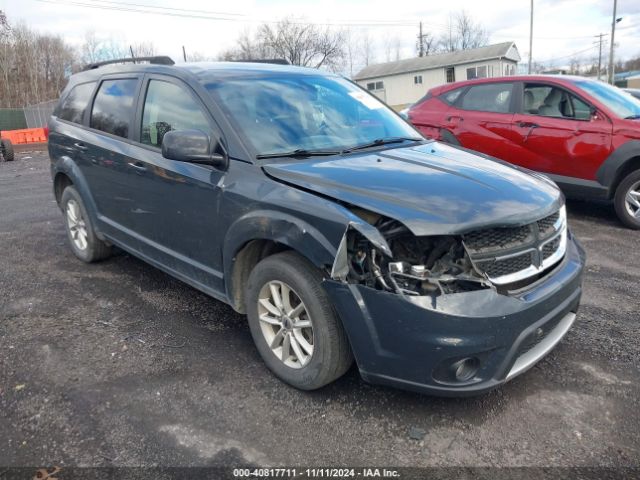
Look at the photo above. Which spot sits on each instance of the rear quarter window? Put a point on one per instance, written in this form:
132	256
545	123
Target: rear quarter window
75	104
113	107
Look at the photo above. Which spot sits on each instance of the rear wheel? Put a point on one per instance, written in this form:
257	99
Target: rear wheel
7	150
627	200
84	242
293	323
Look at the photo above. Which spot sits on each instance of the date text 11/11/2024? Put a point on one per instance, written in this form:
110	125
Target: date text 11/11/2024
315	473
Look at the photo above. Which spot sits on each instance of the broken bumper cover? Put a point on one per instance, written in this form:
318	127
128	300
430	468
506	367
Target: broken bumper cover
414	342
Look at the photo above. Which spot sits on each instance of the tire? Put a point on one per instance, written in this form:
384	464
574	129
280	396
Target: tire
626	203
76	222
331	355
7	150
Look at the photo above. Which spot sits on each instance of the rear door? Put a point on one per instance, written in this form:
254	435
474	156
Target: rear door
557	132
481	118
105	148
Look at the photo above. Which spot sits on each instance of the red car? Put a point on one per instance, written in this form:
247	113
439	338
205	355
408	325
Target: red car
584	134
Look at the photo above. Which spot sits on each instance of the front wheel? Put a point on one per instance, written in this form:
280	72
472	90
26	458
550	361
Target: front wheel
627	200
293	323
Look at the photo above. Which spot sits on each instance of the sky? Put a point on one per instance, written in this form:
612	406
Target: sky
562	28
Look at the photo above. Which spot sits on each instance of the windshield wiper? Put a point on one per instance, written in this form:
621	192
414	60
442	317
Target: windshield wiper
299	153
632	117
382	141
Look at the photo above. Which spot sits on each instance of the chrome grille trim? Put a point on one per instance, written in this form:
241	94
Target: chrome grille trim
541	236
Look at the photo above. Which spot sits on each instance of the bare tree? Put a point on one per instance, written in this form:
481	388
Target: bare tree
33	67
96	49
367	48
463	33
429	43
300	43
143	49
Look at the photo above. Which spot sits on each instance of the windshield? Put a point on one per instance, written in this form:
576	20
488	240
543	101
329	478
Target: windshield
287	113
619	102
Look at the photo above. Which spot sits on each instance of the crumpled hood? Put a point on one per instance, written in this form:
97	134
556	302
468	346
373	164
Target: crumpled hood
431	188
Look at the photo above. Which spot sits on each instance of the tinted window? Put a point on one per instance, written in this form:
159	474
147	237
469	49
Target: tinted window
550	101
169	107
452	96
490	97
113	106
74	106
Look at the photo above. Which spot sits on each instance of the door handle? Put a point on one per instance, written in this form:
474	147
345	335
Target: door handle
138	167
527	124
81	146
455	117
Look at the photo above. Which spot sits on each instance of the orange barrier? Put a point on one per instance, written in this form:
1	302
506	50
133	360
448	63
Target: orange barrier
27	135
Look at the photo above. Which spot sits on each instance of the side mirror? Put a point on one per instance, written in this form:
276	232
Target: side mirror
192	146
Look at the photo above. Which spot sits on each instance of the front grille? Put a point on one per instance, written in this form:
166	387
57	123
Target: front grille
495	268
497	237
550	248
546	225
511	254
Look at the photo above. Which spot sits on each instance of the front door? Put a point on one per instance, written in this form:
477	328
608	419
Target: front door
558	133
176	214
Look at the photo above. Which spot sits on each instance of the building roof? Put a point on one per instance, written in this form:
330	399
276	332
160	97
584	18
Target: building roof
490	52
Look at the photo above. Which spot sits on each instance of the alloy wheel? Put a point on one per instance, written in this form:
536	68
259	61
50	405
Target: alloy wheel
76	224
285	324
632	200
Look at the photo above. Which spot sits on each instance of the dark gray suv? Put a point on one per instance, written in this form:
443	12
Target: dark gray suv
301	200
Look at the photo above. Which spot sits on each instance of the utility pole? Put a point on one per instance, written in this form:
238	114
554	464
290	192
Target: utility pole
600	42
614	20
420	42
530	38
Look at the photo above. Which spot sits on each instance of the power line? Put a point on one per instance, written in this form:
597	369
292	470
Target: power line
222	16
569	55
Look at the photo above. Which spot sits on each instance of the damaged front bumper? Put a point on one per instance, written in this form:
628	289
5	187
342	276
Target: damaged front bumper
460	343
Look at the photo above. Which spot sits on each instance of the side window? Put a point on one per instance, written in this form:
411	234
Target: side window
452	96
113	106
169	107
581	111
74	106
550	101
490	97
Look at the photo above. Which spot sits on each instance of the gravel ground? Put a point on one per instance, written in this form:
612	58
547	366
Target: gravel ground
119	364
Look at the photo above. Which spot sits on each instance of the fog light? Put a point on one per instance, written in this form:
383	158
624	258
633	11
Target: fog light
465	369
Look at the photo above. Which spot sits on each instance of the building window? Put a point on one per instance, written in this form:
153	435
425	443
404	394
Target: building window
477	72
417	80
451	75
371	86
375	86
379	86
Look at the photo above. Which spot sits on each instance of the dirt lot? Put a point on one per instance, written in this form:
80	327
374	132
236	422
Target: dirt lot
117	363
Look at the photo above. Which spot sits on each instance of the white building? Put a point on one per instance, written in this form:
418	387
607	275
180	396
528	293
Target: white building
404	82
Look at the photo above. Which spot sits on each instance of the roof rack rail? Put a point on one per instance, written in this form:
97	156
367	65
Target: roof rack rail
275	61
158	60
